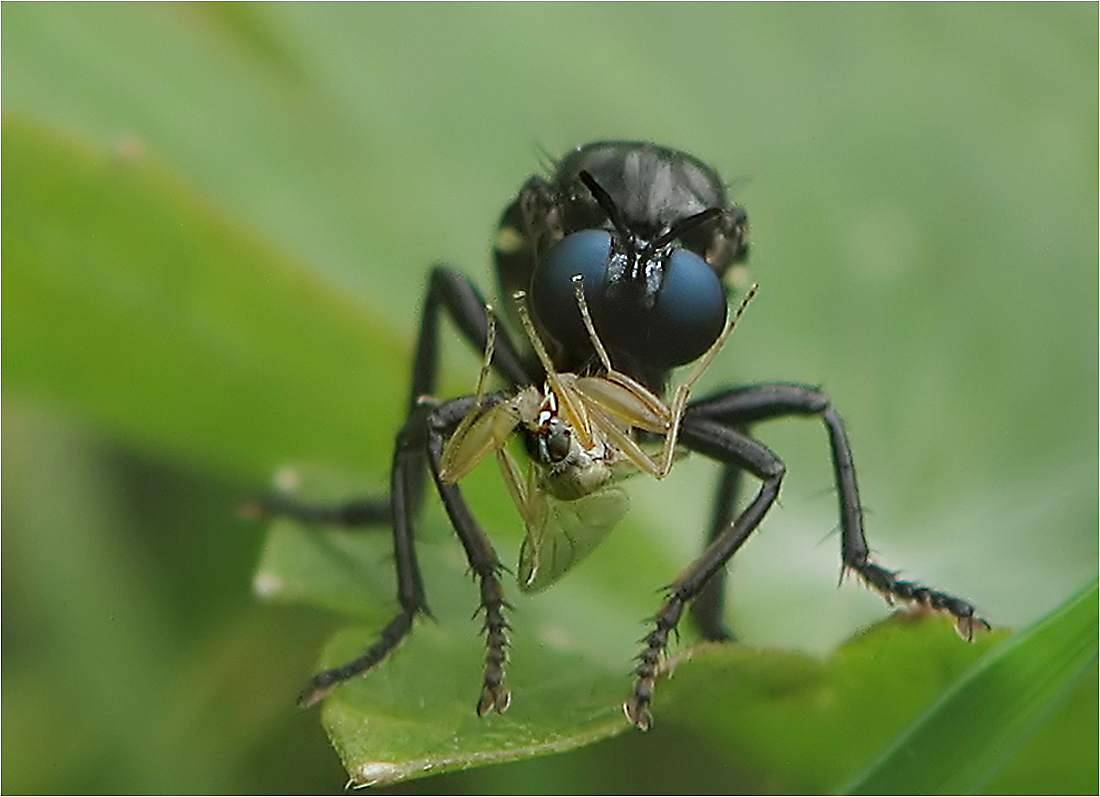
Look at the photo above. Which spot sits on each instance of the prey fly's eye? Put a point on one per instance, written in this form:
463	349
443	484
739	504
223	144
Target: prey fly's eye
552	294
690	310
550	442
555	443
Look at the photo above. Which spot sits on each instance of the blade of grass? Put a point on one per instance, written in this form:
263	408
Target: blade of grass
962	740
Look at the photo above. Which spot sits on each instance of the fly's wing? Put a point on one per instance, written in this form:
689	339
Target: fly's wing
562	533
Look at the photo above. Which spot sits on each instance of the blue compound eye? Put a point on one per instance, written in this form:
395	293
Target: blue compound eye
552	297
689	313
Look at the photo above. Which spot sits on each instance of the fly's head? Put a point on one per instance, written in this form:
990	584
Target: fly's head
649	232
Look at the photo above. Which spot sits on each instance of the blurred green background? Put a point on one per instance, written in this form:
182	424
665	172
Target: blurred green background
217	227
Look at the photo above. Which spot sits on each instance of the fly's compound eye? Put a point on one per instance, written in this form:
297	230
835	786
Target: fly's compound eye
689	313
552	295
666	325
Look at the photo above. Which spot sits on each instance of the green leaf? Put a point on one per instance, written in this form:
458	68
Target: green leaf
781	712
982	720
414	714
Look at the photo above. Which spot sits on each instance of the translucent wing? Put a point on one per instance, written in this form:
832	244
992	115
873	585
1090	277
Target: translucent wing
562	533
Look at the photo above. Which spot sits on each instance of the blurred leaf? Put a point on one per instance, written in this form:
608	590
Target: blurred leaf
974	728
131	300
1063	757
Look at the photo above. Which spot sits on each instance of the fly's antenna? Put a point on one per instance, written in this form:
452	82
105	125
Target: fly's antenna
607	204
684	226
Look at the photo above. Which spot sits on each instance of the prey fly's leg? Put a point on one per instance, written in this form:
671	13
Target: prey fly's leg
727	445
743	406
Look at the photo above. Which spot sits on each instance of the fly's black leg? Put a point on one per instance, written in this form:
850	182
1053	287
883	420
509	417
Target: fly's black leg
765	402
408	467
450	292
706	610
373	511
483	560
729	446
453	293
422	439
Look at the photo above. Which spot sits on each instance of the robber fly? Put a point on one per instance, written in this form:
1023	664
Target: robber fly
614	269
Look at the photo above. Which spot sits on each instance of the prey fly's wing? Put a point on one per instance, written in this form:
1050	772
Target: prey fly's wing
562	533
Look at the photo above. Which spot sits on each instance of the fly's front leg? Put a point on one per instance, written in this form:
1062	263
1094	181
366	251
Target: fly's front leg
495	695
730	446
450	291
756	403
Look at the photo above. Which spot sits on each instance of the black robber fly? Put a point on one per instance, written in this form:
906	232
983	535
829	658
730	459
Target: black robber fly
613	272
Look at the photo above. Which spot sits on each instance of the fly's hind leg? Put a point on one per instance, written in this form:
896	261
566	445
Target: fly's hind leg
707	610
744	406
